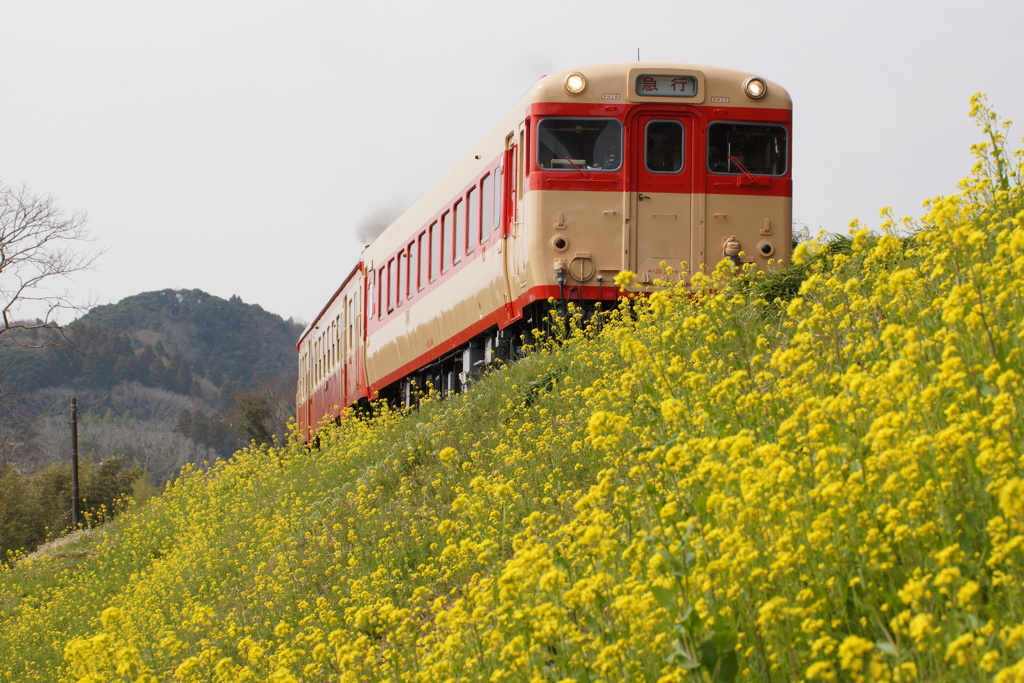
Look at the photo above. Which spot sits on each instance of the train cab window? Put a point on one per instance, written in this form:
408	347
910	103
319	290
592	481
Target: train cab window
663	146
579	144
756	149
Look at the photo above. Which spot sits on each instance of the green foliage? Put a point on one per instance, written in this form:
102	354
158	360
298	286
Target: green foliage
33	509
211	430
17	521
255	414
203	351
24	367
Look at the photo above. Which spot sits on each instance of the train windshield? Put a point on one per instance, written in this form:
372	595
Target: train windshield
747	148
578	144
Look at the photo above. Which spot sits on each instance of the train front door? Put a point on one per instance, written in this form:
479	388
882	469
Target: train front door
663	236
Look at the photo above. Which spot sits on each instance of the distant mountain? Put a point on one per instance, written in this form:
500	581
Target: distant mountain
169	339
222	338
209	371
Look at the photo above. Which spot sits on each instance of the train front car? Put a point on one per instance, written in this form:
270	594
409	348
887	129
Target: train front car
648	167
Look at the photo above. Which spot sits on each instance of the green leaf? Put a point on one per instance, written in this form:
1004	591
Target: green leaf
681	658
676	565
665	597
718	655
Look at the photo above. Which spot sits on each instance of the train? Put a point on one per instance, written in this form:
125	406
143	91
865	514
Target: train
649	167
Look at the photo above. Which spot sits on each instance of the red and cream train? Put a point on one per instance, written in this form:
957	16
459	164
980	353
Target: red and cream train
593	171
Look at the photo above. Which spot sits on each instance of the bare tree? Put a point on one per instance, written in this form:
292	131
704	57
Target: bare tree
40	247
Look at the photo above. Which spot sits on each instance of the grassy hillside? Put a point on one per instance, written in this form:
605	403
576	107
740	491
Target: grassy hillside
713	488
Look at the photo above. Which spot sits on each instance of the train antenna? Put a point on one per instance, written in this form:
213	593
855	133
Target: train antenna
638	54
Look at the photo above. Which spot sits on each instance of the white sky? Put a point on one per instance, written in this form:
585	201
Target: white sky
237	147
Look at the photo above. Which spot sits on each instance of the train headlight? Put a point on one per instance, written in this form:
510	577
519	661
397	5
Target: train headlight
575	83
755	88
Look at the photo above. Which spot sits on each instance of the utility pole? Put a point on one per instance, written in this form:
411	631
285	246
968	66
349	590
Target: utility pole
75	512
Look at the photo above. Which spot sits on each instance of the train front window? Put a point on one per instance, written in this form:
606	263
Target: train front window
575	144
663	146
747	148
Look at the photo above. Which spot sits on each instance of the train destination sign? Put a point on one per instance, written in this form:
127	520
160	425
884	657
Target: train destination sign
660	85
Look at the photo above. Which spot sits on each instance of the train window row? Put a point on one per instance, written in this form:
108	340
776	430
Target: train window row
595	144
323	354
467	222
326	351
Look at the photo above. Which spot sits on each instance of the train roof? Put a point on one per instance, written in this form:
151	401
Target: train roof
613	83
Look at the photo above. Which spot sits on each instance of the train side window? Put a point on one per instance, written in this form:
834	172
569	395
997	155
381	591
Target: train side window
372	291
579	144
487	205
757	149
410	252
421	261
381	286
446	239
499	198
663	146
342	335
351	324
357	307
336	343
458	232
397	291
434	263
499	195
472	218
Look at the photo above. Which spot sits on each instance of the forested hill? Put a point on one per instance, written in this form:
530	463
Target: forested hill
163	378
227	339
167	339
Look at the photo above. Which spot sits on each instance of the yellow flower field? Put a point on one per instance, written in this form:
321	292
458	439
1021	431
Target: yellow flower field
714	487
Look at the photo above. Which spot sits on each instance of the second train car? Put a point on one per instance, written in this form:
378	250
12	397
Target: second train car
592	172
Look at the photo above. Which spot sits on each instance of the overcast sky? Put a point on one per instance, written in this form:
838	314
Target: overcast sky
239	147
